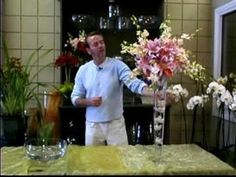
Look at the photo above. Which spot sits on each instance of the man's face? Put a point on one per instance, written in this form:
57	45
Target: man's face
96	46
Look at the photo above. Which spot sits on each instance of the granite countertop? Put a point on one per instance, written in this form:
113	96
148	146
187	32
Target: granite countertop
184	159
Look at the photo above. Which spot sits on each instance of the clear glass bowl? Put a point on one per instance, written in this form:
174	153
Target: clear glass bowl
45	149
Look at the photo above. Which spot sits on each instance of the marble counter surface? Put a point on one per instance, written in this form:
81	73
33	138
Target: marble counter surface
184	159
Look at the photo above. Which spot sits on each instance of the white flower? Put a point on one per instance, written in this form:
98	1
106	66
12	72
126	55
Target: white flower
222	80
177	91
226	98
185	36
161	105
197	101
194	101
155	121
195	71
157	127
212	87
159	119
232	106
158	141
221	89
217	90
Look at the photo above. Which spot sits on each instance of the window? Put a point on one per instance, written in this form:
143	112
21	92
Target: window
224	42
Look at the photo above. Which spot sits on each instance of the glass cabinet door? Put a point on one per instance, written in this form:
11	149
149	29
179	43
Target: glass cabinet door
112	18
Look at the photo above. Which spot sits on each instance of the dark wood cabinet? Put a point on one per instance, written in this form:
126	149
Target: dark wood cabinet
138	119
112	18
73	124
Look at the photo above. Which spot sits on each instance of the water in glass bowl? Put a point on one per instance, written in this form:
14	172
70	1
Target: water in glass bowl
45	149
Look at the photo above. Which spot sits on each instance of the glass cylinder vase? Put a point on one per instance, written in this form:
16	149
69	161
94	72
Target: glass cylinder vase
159	107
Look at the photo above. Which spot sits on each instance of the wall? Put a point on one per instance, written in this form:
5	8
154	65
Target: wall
28	24
218	3
187	16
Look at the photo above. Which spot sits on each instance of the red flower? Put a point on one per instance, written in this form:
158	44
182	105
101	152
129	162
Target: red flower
67	59
77	47
81	47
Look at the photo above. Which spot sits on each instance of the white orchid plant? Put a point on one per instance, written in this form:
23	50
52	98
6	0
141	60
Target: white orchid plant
221	90
220	93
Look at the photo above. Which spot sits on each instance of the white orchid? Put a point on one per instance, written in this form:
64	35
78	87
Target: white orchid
159	119
157	127
177	91
158	141
226	97
232	106
197	101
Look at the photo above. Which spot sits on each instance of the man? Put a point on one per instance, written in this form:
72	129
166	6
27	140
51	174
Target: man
99	87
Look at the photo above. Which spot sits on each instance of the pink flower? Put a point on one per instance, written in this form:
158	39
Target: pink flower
160	57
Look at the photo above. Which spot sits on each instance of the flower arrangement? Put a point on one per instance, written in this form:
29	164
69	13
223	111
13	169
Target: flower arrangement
159	58
68	61
77	47
74	55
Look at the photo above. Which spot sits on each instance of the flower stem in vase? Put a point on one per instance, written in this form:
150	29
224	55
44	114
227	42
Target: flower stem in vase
159	113
67	74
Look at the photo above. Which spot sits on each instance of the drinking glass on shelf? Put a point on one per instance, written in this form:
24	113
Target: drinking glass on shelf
124	23
84	21
105	23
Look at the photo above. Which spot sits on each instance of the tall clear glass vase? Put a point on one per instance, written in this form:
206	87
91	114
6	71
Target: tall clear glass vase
159	107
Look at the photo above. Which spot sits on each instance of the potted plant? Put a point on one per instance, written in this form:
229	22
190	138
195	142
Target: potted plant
17	89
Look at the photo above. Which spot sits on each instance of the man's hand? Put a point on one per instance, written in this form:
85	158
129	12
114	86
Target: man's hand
147	91
95	101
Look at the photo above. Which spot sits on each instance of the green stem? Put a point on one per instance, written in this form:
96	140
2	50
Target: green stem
67	74
193	124
185	121
204	141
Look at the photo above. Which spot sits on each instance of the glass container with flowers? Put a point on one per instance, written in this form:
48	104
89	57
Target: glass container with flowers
72	57
158	60
67	61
